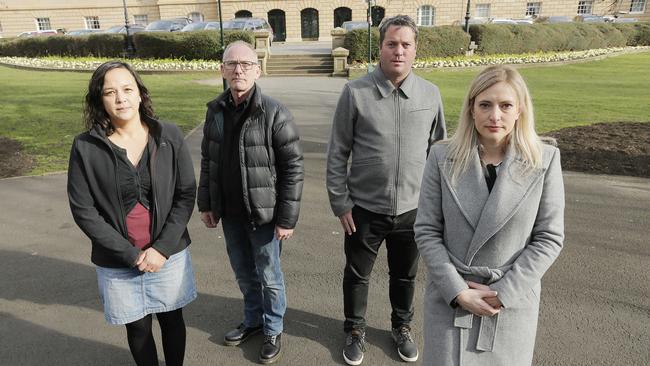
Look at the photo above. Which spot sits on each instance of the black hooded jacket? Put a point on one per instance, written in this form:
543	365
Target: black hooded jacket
96	202
270	158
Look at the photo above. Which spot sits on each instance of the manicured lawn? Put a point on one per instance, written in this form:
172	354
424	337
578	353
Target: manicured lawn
610	90
43	110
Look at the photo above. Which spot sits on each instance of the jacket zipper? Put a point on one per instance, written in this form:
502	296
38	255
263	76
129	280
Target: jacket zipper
152	168
242	171
397	150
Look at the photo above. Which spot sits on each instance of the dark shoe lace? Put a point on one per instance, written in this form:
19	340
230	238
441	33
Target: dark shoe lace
404	335
356	337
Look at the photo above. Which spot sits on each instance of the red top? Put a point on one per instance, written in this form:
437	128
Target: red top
138	224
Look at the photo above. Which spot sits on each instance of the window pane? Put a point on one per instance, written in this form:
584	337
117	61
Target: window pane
585	6
43	23
196	17
637	6
426	15
92	22
482	10
141	19
533	9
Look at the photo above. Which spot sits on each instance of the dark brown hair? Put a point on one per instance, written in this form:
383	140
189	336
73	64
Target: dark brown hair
94	112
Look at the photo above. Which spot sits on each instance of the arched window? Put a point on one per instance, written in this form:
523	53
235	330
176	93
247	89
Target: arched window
277	20
426	15
243	14
195	16
378	14
309	23
341	15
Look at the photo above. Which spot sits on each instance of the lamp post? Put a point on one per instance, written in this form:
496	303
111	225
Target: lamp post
467	17
370	3
129	48
223	47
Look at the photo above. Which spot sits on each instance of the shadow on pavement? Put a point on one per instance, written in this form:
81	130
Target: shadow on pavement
46	281
38	345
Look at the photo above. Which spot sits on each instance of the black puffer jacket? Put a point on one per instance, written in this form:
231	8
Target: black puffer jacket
271	162
96	202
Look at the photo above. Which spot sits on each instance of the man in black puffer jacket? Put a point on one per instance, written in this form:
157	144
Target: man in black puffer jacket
251	181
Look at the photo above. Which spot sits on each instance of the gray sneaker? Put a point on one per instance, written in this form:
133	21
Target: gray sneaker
406	348
355	346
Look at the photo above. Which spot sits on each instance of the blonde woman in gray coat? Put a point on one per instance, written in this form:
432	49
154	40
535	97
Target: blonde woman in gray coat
490	223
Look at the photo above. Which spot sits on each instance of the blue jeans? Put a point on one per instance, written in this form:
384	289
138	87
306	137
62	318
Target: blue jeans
255	259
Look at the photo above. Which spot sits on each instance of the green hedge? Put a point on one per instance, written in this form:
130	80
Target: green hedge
99	45
514	39
356	41
203	45
636	34
444	41
181	45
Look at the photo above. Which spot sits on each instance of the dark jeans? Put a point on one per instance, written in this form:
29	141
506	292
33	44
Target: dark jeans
360	253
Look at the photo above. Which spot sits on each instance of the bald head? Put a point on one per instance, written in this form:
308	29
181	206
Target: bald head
242	48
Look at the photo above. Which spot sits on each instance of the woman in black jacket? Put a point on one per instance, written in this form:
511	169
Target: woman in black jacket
131	188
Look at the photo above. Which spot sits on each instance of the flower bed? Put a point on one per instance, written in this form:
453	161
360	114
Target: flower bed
89	64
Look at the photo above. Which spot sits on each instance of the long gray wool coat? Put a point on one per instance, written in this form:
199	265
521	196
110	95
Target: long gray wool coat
507	239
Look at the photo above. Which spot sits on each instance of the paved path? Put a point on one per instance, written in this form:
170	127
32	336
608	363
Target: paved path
595	308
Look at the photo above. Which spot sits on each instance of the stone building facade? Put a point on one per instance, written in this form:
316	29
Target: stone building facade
292	20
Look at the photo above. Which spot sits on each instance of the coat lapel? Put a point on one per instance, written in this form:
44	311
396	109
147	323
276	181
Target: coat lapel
508	193
470	192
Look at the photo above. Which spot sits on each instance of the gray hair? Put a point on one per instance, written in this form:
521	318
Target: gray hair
398	21
239	43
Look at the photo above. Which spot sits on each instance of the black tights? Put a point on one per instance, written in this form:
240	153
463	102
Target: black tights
143	347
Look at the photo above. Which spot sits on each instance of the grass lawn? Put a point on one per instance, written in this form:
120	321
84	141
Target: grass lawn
611	90
43	110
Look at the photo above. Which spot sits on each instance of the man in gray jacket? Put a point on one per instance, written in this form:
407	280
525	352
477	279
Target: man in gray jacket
387	121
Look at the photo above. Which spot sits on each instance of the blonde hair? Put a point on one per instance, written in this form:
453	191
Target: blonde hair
526	143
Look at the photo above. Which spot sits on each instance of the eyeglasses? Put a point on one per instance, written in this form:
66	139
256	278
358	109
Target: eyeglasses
245	65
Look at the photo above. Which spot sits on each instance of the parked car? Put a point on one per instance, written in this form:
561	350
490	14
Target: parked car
625	20
39	33
559	19
197	26
525	21
168	25
502	21
354	24
82	32
592	19
122	29
249	24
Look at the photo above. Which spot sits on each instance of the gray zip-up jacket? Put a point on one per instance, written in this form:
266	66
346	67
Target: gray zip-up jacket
388	133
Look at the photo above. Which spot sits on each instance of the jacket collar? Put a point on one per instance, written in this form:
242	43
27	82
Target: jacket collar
216	105
155	129
488	212
386	88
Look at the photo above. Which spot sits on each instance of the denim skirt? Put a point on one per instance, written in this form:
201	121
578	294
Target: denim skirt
129	295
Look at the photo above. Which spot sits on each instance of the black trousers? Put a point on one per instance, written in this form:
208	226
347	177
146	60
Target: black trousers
361	250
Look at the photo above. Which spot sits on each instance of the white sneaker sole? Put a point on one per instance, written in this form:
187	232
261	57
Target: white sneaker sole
407	359
352	363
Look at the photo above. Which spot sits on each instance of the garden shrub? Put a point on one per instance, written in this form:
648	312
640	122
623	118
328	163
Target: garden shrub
513	39
443	41
202	45
179	45
356	41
